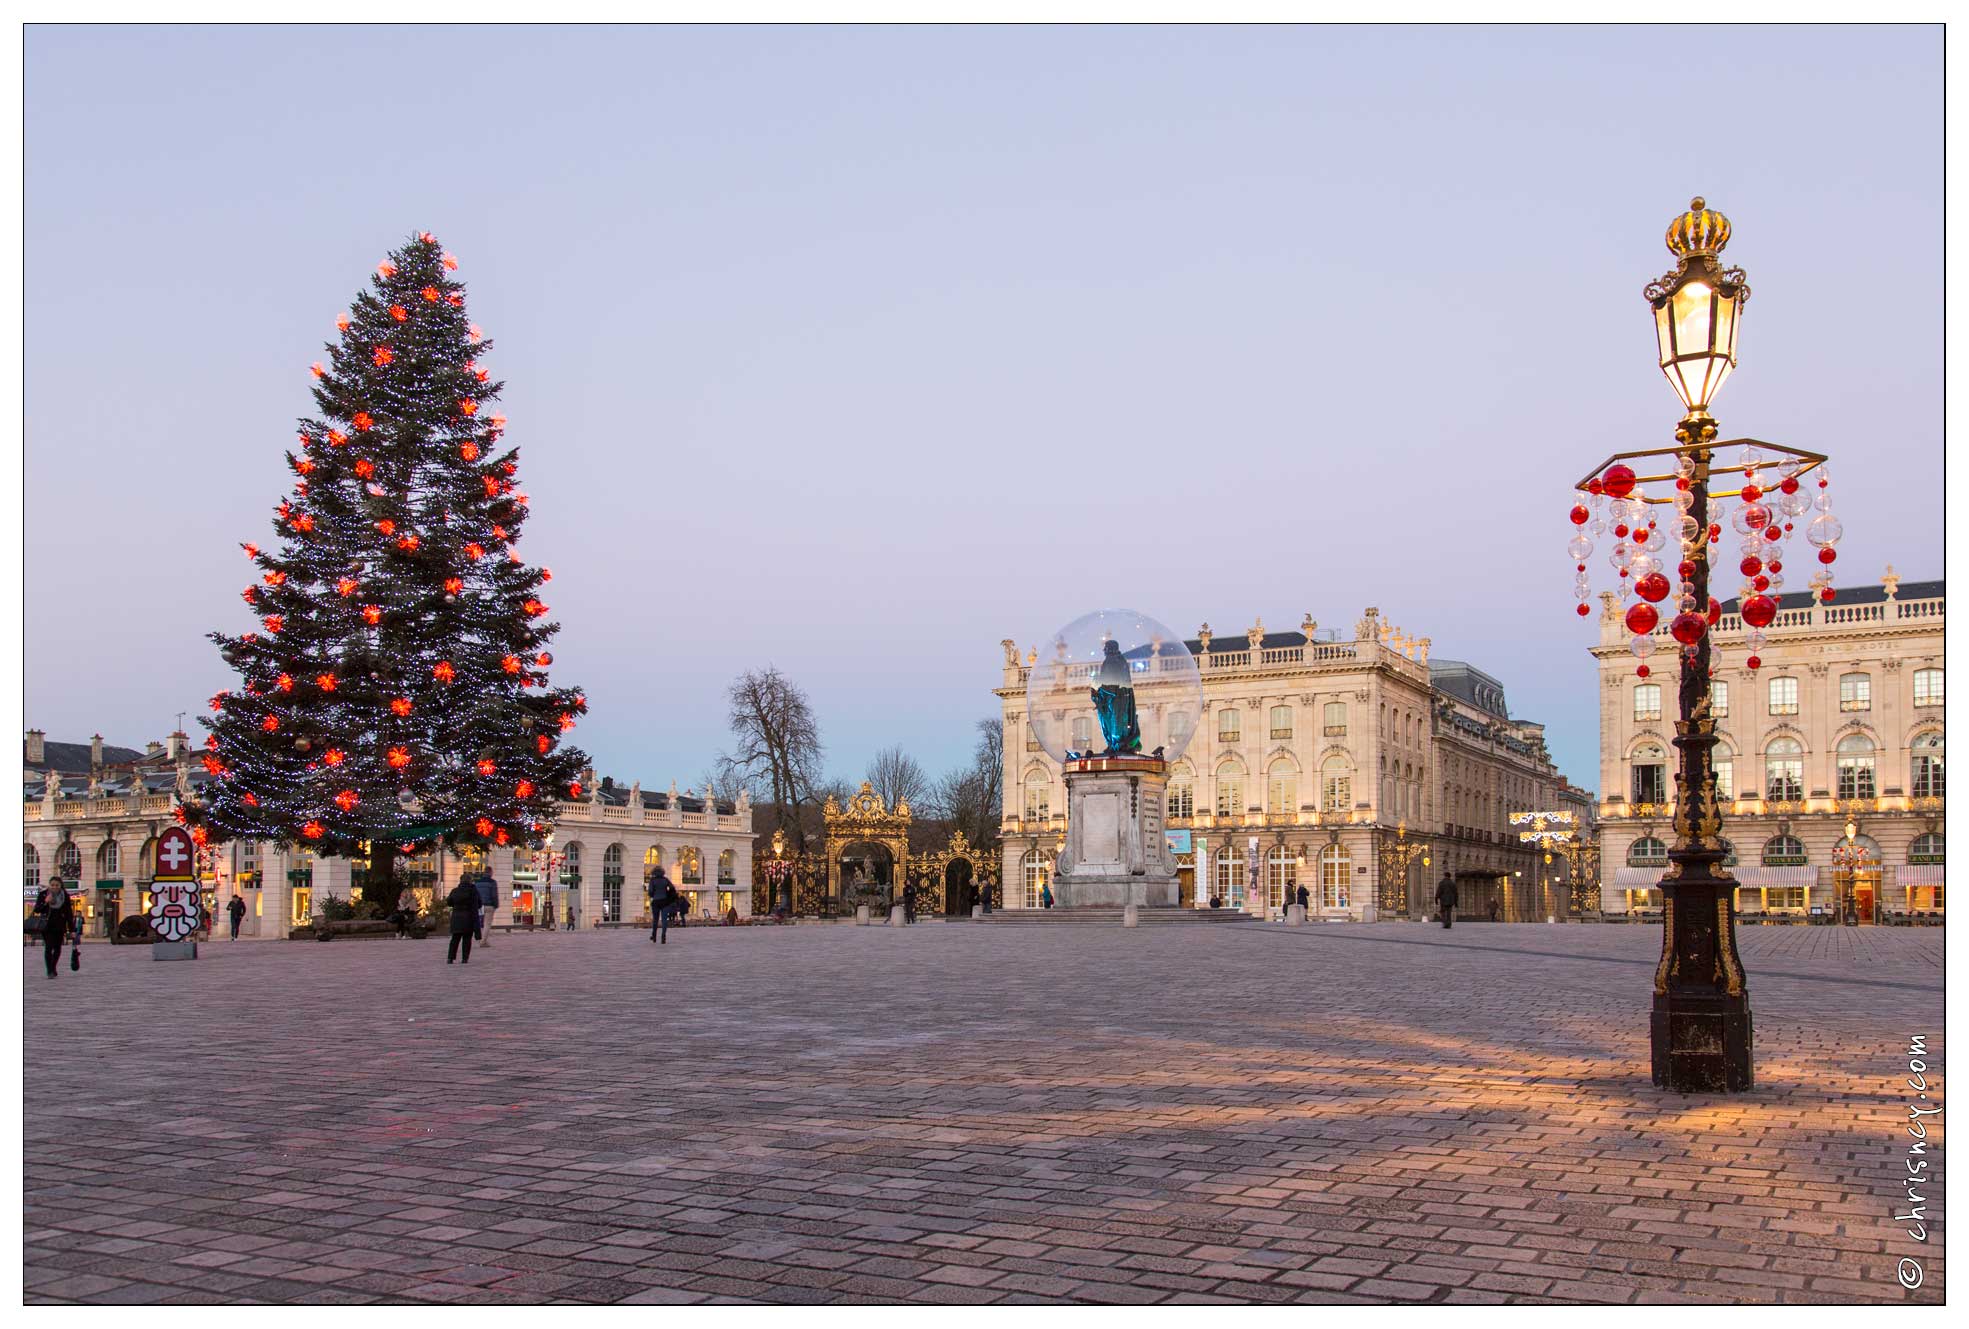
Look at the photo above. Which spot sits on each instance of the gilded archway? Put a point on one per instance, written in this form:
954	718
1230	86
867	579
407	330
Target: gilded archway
866	820
935	871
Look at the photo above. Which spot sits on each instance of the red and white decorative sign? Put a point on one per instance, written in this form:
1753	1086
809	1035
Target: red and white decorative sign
174	904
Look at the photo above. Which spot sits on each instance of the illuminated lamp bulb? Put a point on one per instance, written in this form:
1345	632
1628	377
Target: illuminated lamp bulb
386	269
362	420
487	766
475	552
511	664
466	406
409	542
251	595
285	682
474	333
334	756
483	826
533	607
342	322
316	369
274	622
304	522
542	744
443	671
270	724
431	293
574	789
500	836
386	526
454	585
382	355
398	757
346	586
252	551
543	659
314	830
455	300
400	705
450	263
365	468
346	800
469	451
491	486
524	789
336	438
372	614
249	800
326	682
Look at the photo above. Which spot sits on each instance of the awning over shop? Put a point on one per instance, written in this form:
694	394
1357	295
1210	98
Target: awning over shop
1771	878
1634	879
1919	874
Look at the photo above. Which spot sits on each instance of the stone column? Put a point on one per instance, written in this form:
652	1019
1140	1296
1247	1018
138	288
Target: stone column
332	876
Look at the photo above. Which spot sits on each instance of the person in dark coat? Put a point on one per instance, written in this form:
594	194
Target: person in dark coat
488	904
235	911
1446	899
1046	896
984	896
1305	898
464	902
57	909
909	901
663	901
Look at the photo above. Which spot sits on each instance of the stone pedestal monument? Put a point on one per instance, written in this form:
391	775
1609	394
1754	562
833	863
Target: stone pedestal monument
1116	854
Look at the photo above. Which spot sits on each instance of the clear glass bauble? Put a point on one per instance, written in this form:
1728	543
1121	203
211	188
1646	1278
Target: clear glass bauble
1754	639
1657	540
1794	503
1643	564
1599	526
1642	647
1156	663
1582	591
1620	556
1580	548
1824	530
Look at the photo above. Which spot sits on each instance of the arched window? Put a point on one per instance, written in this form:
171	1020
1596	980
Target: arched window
1784	770
109	860
1281	875
1181	798
68	861
1927	848
1230	876
1784	851
1854	757
1649	769
727	868
1336	784
147	860
246	856
1230	790
1282	789
1035	878
1336	876
1038	796
690	866
31	868
612	883
1928	764
1855	692
1230	724
652	859
1281	722
1729	854
1647	852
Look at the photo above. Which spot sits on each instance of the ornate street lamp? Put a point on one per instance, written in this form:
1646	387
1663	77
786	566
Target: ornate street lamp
1700	1029
778	872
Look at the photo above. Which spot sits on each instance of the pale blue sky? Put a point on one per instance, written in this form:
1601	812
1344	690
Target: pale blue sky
854	350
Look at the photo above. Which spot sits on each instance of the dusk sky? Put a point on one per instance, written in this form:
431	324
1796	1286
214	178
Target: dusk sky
855	350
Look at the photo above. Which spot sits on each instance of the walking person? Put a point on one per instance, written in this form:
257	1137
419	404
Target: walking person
909	901
662	900
488	905
1046	896
1446	899
984	895
57	909
236	911
464	902
570	916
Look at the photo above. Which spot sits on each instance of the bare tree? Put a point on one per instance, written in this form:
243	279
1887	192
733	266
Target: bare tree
897	775
778	745
969	796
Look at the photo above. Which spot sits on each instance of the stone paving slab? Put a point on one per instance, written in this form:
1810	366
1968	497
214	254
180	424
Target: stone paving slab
951	1114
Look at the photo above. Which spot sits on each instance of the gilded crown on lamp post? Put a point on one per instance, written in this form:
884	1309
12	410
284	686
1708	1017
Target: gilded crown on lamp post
1698	231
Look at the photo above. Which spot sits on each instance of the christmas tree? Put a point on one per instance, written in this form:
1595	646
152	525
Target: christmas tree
395	692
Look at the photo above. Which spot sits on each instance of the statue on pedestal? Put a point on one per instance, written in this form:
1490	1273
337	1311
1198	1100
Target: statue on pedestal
1114	702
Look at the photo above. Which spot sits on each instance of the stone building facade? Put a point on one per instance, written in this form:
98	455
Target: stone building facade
1842	725
1313	755
92	814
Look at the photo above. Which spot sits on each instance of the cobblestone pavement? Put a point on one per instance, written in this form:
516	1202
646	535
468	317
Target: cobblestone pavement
951	1113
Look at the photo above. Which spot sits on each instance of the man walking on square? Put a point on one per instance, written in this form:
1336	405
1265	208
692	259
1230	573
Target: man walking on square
909	901
57	909
1446	899
488	905
464	902
662	900
235	911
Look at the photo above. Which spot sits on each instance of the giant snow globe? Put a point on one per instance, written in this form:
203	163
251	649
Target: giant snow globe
1114	683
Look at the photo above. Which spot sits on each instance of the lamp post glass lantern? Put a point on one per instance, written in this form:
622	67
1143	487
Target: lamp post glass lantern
1668	526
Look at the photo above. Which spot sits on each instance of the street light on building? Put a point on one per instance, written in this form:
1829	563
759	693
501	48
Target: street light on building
1700	1030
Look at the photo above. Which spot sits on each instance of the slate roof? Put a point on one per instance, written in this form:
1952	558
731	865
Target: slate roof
1871	594
75	757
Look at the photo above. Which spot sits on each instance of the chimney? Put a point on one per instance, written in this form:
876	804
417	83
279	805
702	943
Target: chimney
37	745
152	748
178	743
95	752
